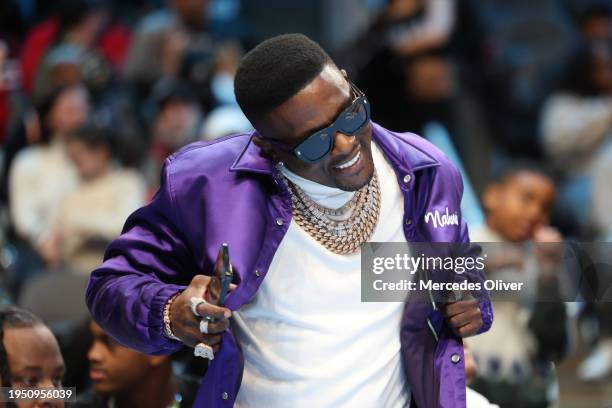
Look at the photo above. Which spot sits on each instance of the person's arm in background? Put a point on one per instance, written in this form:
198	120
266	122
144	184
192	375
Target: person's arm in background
434	31
147	265
74	223
573	125
127	193
25	209
548	321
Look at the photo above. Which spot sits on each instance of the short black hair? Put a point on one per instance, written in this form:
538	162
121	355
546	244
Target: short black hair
94	136
172	89
512	169
46	104
577	76
275	70
13	317
587	10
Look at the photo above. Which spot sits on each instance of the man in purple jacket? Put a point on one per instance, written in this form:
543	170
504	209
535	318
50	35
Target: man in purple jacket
294	200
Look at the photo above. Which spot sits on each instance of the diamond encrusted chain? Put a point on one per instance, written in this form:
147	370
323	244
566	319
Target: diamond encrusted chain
339	236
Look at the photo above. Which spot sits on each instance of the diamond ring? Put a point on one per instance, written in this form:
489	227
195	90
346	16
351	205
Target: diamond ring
204	351
204	326
195	302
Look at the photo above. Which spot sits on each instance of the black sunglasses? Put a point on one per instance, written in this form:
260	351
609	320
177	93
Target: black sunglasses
350	121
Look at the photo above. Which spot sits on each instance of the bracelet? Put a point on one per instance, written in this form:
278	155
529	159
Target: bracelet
167	327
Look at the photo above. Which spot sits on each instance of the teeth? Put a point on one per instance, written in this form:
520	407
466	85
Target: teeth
350	162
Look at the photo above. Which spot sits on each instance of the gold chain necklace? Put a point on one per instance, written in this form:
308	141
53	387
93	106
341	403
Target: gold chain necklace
339	236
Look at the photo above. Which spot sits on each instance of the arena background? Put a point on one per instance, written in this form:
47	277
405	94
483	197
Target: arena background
491	82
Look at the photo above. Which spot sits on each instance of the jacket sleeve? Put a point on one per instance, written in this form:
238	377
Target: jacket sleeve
486	308
142	269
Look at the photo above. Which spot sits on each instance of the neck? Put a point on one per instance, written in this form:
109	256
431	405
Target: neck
103	172
329	197
57	138
491	224
494	226
154	391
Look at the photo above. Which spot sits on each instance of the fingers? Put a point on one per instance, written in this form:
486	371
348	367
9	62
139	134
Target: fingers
194	337
455	308
214	311
202	285
215	326
547	234
199	283
210	339
464	317
191	334
186	325
214	289
468	330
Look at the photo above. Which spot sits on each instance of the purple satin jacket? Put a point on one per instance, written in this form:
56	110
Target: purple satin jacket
226	191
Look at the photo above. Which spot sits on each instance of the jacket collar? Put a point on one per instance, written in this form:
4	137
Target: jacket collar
252	159
400	152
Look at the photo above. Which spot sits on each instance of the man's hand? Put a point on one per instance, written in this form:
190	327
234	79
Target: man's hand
186	326
463	317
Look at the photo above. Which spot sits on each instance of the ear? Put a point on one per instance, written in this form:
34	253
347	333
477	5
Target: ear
266	147
491	197
107	153
344	73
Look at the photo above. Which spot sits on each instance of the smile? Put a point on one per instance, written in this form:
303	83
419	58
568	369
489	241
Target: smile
349	163
97	375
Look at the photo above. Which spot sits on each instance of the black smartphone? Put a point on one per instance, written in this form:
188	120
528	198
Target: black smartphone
226	272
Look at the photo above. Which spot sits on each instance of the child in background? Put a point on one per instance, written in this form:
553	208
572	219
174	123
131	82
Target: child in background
512	353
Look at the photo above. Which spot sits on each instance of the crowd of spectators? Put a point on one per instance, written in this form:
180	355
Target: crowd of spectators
95	94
